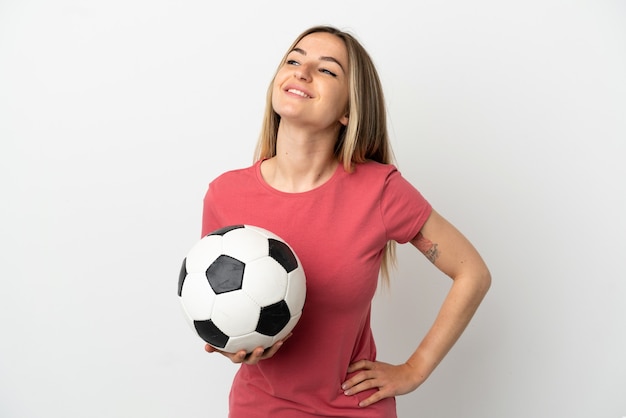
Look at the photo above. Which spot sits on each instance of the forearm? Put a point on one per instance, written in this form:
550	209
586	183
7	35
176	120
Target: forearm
458	308
468	290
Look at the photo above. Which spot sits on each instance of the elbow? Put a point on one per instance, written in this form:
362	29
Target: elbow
484	281
476	281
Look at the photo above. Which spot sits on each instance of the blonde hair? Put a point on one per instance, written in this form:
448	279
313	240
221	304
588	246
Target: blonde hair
365	137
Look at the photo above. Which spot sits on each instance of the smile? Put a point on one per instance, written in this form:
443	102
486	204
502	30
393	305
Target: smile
299	93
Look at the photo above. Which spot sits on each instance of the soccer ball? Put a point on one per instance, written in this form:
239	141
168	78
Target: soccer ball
242	287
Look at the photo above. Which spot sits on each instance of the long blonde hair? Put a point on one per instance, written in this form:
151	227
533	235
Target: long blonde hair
365	137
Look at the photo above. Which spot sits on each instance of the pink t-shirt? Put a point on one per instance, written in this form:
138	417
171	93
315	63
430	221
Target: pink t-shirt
339	231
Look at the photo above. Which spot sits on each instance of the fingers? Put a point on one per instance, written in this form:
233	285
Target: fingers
251	358
360	365
389	380
237	357
364	380
260	354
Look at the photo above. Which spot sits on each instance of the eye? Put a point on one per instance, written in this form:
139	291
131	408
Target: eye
326	71
292	62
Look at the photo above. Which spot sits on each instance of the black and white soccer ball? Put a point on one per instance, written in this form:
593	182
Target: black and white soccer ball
242	287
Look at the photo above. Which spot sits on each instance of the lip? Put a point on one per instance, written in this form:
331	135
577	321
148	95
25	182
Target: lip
298	92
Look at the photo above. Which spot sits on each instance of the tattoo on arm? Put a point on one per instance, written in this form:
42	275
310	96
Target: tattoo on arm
427	247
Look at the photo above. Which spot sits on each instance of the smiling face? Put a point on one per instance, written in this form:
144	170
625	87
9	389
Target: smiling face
311	87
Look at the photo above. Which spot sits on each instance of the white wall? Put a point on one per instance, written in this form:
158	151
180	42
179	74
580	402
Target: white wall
114	115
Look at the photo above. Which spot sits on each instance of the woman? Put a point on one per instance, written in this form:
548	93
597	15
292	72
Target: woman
324	182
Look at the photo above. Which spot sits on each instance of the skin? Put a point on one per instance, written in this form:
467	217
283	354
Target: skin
307	133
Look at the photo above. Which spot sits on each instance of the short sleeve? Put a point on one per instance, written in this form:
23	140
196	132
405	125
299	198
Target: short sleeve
214	199
404	209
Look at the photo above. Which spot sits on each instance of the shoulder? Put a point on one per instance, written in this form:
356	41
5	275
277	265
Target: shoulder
378	175
392	187
235	176
372	171
374	168
232	184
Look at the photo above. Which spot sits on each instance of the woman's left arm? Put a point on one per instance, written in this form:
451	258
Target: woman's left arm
455	256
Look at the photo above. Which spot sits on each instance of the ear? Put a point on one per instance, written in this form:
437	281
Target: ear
344	119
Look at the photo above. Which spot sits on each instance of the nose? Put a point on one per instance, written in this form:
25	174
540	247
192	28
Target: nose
303	72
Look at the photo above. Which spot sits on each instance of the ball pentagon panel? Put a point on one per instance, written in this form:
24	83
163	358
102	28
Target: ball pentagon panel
210	333
288	328
273	318
226	229
225	274
282	253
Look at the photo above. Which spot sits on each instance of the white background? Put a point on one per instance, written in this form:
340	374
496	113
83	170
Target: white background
510	117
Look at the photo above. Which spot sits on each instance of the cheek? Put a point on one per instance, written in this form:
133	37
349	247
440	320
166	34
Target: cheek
342	96
281	77
342	101
275	92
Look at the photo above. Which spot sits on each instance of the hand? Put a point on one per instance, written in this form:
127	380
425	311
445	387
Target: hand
389	379
253	357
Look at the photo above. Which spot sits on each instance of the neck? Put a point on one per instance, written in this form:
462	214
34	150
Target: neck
302	162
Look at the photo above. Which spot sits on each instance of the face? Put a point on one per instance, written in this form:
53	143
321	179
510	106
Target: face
311	87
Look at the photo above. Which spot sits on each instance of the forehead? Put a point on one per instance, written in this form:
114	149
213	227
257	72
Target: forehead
322	44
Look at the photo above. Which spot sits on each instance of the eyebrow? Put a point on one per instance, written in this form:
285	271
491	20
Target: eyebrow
322	58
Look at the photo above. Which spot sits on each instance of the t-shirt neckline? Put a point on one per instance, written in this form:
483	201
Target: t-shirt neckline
257	170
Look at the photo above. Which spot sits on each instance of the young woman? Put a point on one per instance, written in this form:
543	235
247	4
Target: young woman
323	180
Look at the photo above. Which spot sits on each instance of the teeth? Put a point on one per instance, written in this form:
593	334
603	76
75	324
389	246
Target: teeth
298	92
